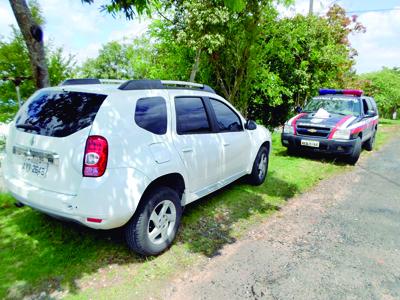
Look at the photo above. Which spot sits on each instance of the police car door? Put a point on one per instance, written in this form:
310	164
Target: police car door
368	131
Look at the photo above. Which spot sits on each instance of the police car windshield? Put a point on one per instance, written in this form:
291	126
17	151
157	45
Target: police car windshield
335	105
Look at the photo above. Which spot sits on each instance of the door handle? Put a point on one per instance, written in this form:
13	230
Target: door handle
226	144
187	150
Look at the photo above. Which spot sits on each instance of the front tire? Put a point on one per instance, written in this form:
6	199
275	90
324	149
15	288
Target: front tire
353	157
260	167
154	226
369	145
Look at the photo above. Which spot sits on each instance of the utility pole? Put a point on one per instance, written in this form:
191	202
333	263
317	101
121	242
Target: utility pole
310	10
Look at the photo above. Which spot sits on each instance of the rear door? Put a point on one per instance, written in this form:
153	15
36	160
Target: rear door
47	140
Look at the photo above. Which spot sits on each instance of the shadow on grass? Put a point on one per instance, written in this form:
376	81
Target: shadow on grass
209	224
41	254
315	156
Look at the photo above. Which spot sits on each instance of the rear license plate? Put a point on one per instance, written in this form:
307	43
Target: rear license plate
35	166
310	143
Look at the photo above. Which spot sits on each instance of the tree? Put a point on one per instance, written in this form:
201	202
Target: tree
33	36
297	56
14	63
384	86
133	8
112	62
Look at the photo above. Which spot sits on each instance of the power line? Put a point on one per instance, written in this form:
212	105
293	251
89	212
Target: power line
372	10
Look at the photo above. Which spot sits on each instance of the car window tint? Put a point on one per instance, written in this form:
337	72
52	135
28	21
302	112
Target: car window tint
59	113
191	116
227	119
151	114
366	106
375	108
371	105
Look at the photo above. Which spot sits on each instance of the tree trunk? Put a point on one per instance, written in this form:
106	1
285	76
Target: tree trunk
195	67
33	36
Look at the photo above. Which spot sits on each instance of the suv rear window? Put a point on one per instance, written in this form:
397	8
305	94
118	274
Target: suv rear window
59	113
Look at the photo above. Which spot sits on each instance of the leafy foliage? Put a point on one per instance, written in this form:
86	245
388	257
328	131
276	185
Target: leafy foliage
14	62
263	64
384	85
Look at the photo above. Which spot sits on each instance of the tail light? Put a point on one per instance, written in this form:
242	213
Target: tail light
95	158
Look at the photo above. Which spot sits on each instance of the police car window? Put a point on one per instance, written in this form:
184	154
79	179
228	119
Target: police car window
151	114
227	119
374	107
335	105
366	106
371	105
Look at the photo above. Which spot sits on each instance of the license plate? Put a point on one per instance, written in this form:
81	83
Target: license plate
35	166
309	143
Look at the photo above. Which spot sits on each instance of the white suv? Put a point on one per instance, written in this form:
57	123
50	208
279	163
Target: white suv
129	155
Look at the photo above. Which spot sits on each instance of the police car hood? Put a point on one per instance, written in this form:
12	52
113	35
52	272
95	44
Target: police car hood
313	118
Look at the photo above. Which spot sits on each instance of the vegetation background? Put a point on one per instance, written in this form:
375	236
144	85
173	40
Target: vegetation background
264	64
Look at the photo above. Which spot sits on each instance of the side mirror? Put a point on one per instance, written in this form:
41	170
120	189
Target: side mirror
298	109
250	125
371	113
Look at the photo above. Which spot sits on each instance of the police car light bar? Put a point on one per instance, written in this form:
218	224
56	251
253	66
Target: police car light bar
357	93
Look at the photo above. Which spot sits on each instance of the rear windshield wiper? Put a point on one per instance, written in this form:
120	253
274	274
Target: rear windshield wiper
28	127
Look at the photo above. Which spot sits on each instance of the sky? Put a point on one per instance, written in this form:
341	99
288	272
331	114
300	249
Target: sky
81	29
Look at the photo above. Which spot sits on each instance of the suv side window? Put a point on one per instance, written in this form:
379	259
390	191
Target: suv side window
151	114
191	116
227	119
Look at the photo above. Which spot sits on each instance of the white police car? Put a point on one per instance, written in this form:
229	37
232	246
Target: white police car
337	121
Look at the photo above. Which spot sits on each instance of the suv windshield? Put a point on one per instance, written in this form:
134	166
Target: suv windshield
59	113
335	105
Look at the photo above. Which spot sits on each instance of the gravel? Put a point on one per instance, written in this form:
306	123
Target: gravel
339	241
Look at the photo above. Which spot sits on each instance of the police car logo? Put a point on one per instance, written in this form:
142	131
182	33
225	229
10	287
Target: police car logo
316	120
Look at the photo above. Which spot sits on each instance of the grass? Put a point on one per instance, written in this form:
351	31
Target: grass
40	255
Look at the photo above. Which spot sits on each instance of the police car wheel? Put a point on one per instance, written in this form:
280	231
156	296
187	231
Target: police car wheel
369	145
353	157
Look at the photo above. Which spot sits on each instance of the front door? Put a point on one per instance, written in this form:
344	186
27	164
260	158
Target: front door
234	139
197	144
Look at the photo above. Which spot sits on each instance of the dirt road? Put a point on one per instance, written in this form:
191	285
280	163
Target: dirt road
338	241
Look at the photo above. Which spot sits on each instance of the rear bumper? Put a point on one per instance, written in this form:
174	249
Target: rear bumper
104	198
337	147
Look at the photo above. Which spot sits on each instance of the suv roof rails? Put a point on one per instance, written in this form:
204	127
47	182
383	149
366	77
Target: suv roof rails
77	81
162	84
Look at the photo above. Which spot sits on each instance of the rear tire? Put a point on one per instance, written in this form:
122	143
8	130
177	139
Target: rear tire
260	167
353	157
155	223
369	145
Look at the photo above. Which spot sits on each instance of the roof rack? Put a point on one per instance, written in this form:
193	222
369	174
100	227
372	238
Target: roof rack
77	81
162	84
